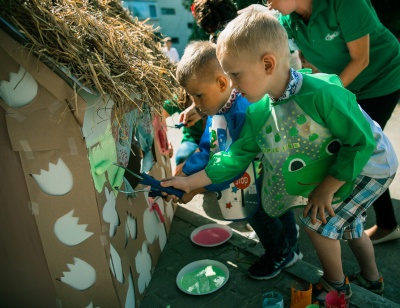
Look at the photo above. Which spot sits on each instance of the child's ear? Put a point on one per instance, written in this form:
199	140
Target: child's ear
269	62
223	83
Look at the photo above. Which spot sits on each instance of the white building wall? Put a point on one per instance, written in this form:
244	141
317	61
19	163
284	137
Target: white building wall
175	26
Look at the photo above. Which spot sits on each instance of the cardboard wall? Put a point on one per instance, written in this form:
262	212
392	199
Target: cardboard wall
68	237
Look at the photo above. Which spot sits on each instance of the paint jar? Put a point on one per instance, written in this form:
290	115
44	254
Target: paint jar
272	300
313	306
335	300
301	294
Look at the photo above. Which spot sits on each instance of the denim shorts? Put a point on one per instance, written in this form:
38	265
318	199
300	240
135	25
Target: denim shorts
348	221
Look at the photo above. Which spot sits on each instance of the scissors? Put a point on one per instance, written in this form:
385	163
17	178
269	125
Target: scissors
145	179
179	125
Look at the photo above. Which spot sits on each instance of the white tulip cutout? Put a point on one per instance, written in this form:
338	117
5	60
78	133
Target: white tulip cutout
20	90
81	275
57	181
69	232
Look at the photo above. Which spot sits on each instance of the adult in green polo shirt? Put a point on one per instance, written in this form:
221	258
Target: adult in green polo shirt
346	38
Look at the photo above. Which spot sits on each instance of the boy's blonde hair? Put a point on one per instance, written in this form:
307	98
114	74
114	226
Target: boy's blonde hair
253	34
199	61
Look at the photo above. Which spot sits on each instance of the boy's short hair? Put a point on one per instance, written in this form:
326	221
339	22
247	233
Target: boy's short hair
212	15
199	60
253	34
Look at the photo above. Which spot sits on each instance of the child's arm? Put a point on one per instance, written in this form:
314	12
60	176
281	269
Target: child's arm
188	184
187	197
320	199
199	159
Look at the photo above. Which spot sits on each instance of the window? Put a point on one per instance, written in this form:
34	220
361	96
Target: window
167	11
141	9
190	25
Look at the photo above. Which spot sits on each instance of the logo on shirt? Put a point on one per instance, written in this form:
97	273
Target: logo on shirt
331	36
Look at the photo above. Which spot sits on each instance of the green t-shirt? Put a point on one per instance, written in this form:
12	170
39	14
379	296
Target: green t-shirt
189	134
332	24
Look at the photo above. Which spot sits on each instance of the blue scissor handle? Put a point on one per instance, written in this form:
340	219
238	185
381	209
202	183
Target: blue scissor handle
179	125
155	193
149	180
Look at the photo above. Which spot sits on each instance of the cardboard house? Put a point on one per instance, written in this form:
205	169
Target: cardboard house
76	230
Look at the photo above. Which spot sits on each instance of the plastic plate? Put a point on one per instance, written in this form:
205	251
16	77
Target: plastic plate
211	235
202	277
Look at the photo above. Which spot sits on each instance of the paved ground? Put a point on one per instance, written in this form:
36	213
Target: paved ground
241	251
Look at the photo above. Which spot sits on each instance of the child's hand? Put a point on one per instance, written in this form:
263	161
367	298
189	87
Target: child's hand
320	199
188	197
187	184
318	202
190	116
170	149
178	170
177	182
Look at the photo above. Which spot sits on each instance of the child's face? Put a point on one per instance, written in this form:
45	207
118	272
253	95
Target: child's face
209	96
248	77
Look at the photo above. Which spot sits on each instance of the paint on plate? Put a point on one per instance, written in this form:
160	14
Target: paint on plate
204	279
211	236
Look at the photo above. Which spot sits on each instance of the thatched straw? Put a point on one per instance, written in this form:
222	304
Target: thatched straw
100	44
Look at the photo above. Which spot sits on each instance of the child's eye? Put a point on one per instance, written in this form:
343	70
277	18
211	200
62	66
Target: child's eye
234	74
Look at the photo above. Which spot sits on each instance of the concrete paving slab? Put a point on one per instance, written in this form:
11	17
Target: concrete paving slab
241	251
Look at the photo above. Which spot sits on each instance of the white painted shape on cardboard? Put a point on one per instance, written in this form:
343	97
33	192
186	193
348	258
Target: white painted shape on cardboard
57	181
81	275
91	305
143	267
150	223
20	90
162	236
97	121
169	210
110	213
69	231
130	294
116	264
130	228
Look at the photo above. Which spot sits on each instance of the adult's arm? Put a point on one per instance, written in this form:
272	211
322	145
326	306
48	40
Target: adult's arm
359	54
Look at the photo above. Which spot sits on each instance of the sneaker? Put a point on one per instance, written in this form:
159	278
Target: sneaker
376	287
296	250
378	235
322	287
269	266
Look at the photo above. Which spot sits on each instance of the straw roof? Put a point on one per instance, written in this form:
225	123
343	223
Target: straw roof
102	46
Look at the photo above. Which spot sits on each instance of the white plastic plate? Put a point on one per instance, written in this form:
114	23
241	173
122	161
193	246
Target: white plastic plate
211	235
202	277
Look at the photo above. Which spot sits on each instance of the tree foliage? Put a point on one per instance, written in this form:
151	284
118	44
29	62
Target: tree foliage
387	10
200	34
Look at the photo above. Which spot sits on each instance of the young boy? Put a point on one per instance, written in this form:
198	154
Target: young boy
321	151
200	73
